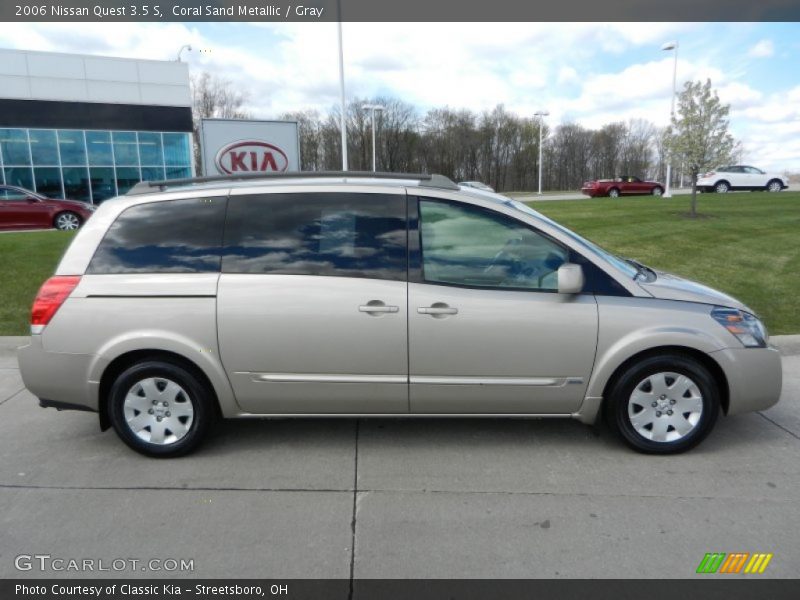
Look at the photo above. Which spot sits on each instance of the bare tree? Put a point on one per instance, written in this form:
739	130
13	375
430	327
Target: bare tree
213	96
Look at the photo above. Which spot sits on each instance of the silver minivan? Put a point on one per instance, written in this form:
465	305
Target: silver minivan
358	295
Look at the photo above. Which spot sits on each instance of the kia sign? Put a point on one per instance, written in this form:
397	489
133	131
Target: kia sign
251	156
242	146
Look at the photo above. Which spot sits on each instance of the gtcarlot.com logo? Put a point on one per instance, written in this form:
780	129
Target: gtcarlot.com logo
735	562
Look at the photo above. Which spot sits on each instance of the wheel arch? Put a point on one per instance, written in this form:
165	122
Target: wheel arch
126	359
703	358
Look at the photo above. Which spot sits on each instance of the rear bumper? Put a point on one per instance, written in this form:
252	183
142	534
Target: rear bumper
59	379
755	377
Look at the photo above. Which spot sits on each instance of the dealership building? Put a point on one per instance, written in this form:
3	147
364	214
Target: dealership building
90	127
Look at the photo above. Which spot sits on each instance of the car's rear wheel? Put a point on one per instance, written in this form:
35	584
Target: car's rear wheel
774	186
613	193
658	191
160	408
663	404
67	221
722	187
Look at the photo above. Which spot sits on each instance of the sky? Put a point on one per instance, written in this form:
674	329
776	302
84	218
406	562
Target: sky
586	73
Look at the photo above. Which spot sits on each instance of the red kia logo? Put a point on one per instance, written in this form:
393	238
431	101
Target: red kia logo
250	156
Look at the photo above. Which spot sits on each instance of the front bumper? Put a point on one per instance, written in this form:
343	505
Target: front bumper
591	192
57	378
755	377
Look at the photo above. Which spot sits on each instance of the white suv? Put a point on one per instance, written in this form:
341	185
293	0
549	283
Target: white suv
740	177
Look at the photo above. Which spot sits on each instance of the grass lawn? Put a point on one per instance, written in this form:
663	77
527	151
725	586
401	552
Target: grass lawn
745	244
27	259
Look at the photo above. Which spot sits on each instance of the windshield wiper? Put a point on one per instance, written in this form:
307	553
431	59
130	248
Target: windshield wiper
643	270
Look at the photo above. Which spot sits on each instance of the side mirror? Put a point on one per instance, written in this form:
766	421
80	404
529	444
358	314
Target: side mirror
31	199
570	279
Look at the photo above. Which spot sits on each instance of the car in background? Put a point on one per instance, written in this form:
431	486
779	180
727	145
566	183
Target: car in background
477	185
741	177
626	185
24	209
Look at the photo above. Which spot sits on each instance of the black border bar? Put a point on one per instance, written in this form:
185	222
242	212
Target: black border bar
708	587
399	11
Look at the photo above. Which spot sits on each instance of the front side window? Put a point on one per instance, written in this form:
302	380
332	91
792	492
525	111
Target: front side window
471	246
326	234
174	236
9	194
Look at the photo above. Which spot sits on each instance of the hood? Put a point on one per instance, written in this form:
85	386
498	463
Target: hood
76	204
671	287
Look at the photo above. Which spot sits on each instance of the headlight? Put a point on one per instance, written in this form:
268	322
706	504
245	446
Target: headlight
746	327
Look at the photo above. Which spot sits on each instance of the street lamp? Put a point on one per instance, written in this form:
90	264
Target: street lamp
666	47
541	114
373	108
341	88
184	47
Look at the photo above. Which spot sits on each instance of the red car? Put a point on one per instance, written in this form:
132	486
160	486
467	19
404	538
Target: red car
622	186
23	209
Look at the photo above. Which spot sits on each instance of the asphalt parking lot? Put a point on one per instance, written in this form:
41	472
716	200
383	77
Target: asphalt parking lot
453	498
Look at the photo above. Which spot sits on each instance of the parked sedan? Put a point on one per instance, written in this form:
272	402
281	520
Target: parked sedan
24	209
741	177
627	185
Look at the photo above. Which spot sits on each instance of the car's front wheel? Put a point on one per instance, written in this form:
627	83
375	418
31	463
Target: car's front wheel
722	187
613	193
160	408
663	404
774	186
67	221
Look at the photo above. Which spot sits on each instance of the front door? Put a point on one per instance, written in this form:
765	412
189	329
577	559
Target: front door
312	303
488	331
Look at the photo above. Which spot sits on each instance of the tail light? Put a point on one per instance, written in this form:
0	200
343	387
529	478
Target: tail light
710	174
51	296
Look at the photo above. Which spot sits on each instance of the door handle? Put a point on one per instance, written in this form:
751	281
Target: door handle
377	306
437	309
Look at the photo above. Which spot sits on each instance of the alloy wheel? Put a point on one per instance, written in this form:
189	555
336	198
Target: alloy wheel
67	222
774	186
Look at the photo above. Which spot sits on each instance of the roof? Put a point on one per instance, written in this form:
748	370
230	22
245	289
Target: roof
296	178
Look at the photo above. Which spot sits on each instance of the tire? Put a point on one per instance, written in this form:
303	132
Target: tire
613	193
137	420
661	429
722	187
657	191
776	185
67	221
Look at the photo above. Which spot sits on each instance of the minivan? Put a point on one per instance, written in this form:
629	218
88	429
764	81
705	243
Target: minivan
376	295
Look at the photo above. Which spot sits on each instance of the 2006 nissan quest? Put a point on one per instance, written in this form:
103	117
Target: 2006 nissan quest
379	295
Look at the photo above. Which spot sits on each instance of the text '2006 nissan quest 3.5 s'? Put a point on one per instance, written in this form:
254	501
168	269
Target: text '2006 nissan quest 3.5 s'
351	294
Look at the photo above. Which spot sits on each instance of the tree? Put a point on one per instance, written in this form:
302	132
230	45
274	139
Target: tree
698	135
213	96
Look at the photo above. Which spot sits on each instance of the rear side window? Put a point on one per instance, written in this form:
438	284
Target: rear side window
328	234
174	236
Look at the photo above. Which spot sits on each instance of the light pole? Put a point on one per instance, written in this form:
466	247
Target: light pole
541	114
341	89
671	46
373	108
184	47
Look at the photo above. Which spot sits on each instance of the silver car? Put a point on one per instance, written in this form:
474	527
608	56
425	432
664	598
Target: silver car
382	295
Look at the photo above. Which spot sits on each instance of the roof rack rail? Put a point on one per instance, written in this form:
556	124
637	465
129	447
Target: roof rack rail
436	181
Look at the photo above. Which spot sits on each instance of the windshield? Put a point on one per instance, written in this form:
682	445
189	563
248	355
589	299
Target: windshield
583	243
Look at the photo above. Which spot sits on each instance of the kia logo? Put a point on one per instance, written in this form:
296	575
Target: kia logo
250	156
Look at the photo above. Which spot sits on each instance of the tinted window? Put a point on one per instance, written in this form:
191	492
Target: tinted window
471	246
175	236
12	195
333	234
